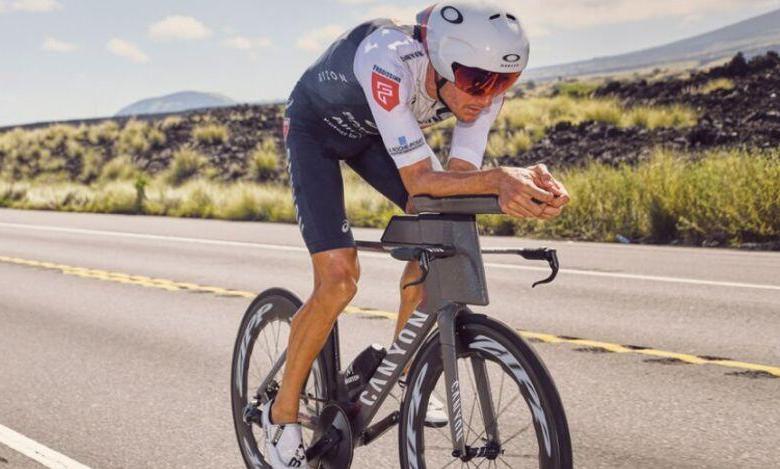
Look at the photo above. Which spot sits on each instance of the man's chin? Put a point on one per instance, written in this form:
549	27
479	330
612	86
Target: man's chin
467	117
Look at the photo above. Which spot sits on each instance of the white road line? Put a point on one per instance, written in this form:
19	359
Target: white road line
653	278
36	451
279	247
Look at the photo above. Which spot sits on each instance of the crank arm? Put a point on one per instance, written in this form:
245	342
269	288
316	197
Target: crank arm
329	440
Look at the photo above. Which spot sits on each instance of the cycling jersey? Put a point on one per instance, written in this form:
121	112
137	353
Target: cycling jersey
364	101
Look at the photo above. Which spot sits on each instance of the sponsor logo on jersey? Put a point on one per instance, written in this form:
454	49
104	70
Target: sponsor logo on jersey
331	75
386	92
405	146
385	73
414	55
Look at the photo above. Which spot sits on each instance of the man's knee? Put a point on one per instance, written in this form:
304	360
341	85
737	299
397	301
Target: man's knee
337	273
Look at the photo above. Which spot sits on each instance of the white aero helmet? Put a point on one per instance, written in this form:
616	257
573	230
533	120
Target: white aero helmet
479	45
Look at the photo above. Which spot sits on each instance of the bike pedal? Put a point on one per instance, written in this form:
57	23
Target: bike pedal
252	415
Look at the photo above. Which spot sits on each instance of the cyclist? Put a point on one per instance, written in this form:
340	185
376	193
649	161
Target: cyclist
365	101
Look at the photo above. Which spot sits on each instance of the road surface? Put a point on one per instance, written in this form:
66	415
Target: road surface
664	357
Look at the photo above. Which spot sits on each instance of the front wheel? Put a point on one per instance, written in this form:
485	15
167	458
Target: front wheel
501	377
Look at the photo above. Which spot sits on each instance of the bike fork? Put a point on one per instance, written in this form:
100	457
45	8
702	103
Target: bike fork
447	321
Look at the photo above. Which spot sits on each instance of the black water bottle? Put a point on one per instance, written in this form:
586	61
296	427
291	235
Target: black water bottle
362	369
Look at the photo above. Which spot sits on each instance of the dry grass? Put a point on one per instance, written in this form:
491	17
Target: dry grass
728	197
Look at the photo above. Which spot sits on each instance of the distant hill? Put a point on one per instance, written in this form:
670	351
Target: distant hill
751	37
176	102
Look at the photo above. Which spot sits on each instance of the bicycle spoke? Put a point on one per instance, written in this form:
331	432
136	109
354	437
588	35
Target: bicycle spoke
497	416
267	347
501	389
517	434
473	404
279	330
469	372
502	460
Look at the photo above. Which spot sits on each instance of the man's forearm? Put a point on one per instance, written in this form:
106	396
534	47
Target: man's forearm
457	180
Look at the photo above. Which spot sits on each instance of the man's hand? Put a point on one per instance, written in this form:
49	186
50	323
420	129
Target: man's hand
531	193
520	196
544	179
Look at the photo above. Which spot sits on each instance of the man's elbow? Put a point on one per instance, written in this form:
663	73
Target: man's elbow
417	178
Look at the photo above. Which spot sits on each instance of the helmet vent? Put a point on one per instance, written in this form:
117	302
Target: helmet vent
511	17
452	15
496	16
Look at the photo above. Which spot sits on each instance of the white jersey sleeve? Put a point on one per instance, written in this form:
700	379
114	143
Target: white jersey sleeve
388	85
469	141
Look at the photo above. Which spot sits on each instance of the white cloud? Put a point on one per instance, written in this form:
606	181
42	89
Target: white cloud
318	39
179	27
543	17
30	6
51	44
127	50
36	6
246	43
356	2
546	15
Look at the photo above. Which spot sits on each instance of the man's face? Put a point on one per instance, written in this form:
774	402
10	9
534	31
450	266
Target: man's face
465	106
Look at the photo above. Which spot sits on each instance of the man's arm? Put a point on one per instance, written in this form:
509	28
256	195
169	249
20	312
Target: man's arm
514	187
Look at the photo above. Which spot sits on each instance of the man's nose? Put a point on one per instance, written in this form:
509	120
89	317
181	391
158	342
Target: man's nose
484	101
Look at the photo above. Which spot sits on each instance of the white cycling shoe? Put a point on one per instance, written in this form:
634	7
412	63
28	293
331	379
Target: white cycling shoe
284	443
436	415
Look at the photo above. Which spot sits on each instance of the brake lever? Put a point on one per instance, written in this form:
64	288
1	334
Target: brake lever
424	256
425	266
543	254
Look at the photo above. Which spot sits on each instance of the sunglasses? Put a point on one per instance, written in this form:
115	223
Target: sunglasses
478	82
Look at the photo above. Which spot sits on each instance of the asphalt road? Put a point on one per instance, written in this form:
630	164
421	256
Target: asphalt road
113	373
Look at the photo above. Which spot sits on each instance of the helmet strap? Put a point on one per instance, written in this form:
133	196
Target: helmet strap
440	82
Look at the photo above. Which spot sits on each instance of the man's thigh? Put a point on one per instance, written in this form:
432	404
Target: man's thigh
318	193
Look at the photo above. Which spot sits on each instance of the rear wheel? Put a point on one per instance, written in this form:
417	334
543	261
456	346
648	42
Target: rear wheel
261	340
529	429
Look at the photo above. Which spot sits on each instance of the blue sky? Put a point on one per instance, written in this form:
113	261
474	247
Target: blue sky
62	59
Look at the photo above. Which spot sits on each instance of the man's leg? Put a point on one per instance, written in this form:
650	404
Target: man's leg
336	274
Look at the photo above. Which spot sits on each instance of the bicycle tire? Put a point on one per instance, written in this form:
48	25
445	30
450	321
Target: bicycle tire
491	340
283	305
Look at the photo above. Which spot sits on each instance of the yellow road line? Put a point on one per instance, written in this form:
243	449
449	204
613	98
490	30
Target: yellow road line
171	285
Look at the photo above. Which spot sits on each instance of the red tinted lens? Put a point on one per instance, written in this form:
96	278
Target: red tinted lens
478	82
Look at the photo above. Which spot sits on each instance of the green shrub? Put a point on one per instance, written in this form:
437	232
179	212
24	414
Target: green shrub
103	133
264	160
511	144
118	169
657	117
171	122
186	163
210	134
714	85
576	89
91	166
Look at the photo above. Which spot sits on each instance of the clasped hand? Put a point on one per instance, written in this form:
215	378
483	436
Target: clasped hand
531	192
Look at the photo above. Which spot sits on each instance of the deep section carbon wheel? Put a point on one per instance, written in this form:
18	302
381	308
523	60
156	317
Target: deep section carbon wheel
261	340
499	374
